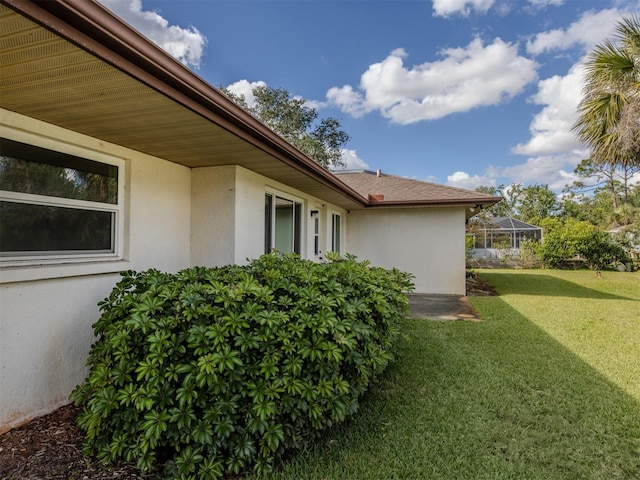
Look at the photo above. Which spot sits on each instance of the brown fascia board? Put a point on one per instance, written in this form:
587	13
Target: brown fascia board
96	30
461	202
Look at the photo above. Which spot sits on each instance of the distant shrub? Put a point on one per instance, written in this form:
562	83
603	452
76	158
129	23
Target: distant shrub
578	239
529	253
469	245
216	371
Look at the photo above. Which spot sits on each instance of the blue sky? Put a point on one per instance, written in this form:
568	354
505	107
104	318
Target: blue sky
459	92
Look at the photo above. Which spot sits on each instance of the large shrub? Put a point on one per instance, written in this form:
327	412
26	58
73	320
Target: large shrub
565	241
213	371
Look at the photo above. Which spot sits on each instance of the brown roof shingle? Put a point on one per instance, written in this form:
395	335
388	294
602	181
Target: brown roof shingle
381	188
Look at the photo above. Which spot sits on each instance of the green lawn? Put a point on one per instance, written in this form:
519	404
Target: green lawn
546	387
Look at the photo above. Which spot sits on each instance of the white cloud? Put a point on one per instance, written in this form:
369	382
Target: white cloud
444	8
556	171
551	129
544	3
245	88
591	28
185	44
553	170
471	182
469	77
348	100
352	161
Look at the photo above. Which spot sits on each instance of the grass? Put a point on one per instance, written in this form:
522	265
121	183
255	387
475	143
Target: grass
546	387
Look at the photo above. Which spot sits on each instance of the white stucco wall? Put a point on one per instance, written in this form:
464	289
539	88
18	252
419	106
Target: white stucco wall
45	335
46	312
427	242
213	211
249	221
227	218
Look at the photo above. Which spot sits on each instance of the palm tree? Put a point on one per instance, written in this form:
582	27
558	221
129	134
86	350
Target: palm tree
609	113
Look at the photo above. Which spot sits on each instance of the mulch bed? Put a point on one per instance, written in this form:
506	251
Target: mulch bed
478	287
50	447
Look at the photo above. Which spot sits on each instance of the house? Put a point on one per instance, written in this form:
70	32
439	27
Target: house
114	156
494	235
414	226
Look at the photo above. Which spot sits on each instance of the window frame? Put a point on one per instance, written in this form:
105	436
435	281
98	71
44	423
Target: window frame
336	239
52	258
297	238
316	235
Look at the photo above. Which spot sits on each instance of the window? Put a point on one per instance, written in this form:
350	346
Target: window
335	232
282	222
56	205
316	235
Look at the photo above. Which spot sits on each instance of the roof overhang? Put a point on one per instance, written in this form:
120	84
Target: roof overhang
73	64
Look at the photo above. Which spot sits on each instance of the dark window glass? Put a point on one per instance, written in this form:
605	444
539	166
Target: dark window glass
316	236
297	230
335	238
28	169
268	202
28	228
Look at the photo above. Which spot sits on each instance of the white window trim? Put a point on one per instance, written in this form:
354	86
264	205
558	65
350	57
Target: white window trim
316	224
332	233
303	209
42	266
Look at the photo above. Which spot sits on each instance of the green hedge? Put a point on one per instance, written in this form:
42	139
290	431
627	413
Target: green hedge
216	371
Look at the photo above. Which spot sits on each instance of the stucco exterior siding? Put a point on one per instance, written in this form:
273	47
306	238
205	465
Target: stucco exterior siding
227	217
249	220
45	336
429	243
213	211
159	214
46	312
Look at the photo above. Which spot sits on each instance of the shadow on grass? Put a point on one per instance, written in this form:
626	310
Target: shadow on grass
545	285
493	400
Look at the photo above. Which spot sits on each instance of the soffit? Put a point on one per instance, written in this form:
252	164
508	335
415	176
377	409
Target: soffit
46	77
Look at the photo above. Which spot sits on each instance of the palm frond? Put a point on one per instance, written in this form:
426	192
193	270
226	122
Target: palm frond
609	113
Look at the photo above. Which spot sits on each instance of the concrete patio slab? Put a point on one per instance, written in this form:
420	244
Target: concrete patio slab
441	307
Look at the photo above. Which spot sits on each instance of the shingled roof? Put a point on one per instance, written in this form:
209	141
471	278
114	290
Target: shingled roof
384	189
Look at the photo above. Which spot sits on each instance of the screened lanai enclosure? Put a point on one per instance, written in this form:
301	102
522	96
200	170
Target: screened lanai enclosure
500	234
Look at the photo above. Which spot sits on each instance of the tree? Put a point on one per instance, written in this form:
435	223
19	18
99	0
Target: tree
505	208
595	208
595	177
529	204
536	202
609	112
295	121
603	195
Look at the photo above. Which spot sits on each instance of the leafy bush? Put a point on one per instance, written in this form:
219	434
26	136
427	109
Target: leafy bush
214	371
469	245
529	253
580	239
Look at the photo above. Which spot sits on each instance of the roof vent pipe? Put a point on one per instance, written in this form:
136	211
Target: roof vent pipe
379	173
